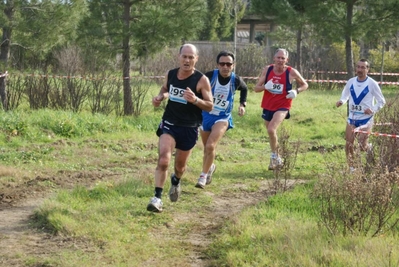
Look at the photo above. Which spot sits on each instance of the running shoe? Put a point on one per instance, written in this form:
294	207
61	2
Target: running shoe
201	182
275	163
174	191
209	176
155	205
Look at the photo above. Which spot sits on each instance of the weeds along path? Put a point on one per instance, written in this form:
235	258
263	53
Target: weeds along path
19	240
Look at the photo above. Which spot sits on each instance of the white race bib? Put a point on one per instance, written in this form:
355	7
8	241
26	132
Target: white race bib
176	94
277	89
356	109
220	101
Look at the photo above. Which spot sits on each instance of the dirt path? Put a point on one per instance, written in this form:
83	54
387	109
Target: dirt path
18	237
223	208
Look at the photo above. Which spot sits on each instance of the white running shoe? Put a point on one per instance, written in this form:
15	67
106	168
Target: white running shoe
155	205
276	162
201	182
174	191
210	173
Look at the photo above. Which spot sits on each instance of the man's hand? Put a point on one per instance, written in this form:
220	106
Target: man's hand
190	96
269	85
156	101
338	104
291	94
241	111
369	111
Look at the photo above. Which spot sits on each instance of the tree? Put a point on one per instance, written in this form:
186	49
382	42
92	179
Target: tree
6	20
220	19
354	20
138	28
37	26
212	21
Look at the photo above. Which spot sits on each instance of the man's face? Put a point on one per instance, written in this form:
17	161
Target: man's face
362	69
187	58
225	66
280	59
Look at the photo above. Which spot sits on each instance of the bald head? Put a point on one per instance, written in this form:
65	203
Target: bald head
190	48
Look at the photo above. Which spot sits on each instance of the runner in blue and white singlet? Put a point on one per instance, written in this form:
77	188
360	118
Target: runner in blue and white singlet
365	99
361	96
223	98
224	83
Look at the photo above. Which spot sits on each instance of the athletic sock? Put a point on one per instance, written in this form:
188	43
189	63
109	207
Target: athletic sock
158	192
203	174
175	180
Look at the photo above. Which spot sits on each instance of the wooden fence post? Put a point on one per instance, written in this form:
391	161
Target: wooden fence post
3	92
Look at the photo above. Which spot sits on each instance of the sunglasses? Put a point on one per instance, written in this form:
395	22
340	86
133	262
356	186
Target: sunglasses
228	64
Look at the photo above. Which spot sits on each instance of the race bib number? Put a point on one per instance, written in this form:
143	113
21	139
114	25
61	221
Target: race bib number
176	94
356	109
220	99
277	89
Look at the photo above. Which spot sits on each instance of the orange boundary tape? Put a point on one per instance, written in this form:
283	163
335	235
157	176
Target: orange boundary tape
344	72
377	134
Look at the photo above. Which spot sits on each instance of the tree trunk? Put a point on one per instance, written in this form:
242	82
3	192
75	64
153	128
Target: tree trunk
348	41
3	92
5	46
298	50
348	45
127	91
7	31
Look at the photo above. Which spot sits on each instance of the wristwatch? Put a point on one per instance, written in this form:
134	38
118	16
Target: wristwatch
243	104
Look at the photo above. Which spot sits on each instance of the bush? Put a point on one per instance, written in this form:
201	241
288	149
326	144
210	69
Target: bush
365	202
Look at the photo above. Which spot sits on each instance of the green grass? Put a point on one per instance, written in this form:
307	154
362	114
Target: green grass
109	218
284	231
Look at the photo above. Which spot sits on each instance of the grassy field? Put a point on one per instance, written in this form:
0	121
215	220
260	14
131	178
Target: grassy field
99	170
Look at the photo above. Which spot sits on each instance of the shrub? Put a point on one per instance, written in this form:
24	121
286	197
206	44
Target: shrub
365	202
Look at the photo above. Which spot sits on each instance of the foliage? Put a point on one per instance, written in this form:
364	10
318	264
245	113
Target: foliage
40	26
361	204
251	60
388	119
283	231
213	19
13	125
141	88
390	62
154	25
369	19
335	59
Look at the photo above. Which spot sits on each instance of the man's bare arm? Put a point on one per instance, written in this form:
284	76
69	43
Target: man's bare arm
260	85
